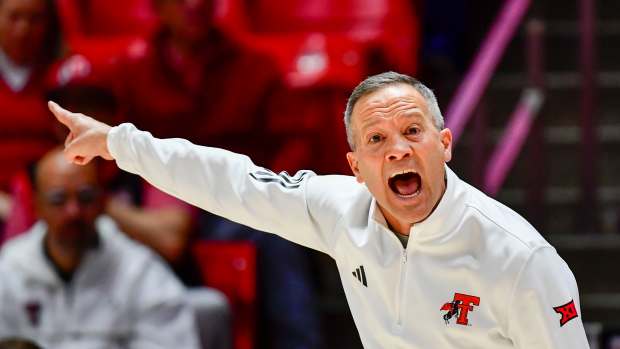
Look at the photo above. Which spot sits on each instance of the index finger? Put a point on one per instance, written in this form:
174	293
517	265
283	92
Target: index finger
62	115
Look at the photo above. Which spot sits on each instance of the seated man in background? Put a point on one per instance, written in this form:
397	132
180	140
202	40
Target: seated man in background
74	280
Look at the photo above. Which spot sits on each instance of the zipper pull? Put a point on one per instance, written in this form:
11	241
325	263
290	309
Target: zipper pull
405	256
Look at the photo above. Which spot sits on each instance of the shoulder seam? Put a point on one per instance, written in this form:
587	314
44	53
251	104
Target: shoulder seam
499	225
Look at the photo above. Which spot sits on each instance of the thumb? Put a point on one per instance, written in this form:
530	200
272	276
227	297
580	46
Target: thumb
64	116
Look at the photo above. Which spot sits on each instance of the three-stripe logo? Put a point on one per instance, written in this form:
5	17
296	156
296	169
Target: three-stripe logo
283	178
360	275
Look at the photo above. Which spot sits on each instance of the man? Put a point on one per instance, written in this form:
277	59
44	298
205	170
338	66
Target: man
75	281
29	38
412	242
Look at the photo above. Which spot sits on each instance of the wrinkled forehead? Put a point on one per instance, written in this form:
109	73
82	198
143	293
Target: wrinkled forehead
391	101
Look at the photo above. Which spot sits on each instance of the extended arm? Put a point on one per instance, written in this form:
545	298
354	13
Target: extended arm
219	181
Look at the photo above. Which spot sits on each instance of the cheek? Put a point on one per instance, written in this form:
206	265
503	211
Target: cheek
371	173
38	32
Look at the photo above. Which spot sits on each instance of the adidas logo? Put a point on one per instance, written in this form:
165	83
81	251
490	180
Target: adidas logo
360	275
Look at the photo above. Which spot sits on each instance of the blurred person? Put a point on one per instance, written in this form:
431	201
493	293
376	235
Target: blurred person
74	280
29	45
426	260
142	212
192	73
194	80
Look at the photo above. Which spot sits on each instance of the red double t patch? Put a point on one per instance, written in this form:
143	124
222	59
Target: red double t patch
568	312
460	307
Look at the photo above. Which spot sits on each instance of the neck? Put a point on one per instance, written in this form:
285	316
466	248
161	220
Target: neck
16	63
394	224
65	258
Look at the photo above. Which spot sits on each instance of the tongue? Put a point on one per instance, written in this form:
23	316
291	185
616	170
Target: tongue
407	185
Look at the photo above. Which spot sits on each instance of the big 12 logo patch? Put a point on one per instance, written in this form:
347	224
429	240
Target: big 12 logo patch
568	312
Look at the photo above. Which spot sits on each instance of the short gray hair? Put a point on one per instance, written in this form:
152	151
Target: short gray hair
376	82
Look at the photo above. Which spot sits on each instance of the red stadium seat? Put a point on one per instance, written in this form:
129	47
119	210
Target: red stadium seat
231	268
22	211
320	15
389	27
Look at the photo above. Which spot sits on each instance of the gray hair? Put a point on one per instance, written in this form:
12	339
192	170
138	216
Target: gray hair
376	82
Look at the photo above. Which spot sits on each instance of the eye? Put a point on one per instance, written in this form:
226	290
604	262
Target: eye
413	130
376	138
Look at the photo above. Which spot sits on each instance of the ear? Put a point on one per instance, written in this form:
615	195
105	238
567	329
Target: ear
446	141
353	163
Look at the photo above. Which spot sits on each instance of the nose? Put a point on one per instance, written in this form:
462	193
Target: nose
398	150
72	208
22	27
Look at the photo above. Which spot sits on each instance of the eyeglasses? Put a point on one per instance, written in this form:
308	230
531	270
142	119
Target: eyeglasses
84	196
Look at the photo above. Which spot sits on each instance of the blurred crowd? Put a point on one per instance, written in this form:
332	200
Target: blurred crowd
93	257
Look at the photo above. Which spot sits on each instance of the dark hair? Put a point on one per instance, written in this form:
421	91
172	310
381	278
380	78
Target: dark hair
376	82
18	343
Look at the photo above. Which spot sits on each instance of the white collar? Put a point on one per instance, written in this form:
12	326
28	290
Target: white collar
443	217
16	76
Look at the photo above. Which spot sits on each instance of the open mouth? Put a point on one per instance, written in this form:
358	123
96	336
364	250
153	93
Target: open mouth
407	183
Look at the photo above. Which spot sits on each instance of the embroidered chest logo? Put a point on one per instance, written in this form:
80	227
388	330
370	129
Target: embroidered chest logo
568	312
33	312
459	308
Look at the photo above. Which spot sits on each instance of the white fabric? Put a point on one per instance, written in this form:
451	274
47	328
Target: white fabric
15	76
470	245
121	296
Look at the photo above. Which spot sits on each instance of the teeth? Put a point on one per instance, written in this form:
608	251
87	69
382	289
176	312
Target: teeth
402	172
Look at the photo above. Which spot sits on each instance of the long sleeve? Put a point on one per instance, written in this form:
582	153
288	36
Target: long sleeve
544	311
227	184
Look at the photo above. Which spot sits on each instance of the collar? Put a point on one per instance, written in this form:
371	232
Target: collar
26	253
66	277
443	218
15	76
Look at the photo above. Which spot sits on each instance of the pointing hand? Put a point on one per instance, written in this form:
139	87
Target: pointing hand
87	137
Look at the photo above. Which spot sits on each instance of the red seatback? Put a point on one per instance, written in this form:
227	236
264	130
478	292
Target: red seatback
317	15
22	215
389	28
231	268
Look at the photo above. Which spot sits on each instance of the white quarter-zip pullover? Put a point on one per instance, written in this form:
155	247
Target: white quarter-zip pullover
474	273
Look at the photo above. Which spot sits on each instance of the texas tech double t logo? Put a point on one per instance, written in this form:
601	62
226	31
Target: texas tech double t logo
460	307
